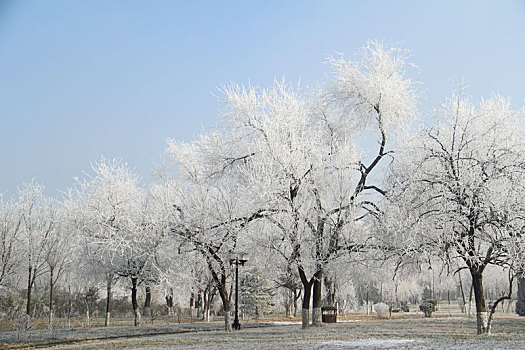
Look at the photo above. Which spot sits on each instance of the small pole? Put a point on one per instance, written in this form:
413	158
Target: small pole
236	324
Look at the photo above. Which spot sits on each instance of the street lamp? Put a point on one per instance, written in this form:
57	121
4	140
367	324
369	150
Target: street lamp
239	259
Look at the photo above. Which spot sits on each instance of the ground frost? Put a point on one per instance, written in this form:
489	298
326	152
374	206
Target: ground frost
373	343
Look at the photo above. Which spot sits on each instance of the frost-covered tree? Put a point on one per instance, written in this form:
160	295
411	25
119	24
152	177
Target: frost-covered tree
10	239
119	234
295	156
209	217
39	216
58	252
457	190
298	153
257	293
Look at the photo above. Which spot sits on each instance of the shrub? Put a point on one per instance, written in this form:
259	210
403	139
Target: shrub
404	307
382	310
11	304
428	307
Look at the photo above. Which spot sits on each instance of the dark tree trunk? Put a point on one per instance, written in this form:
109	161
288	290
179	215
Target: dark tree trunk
147	302
288	302
481	308
317	298
463	308
69	307
198	307
296	296
134	303
223	293
520	304
169	302
307	295
108	303
29	286
192	302
499	300
51	273
367	302
88	318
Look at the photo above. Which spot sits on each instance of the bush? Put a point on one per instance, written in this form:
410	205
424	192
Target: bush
428	307
382	310
120	307
404	307
88	299
11	304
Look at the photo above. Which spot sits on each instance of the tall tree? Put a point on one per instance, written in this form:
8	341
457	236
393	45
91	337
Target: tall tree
10	239
115	222
39	219
210	219
58	253
297	152
457	189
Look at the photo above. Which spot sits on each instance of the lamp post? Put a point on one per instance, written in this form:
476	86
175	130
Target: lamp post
238	260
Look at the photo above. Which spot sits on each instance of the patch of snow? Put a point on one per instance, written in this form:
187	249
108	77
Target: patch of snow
285	323
376	343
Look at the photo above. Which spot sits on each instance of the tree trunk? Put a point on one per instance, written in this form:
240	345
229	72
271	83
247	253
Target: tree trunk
69	307
463	307
200	314
147	302
493	309
134	303
226	306
192	302
169	302
317	298
29	289
288	303
205	303
481	308
208	295
296	296
367	303
208	299
470	302
305	312
330	286
108	303
51	273
520	304
88	320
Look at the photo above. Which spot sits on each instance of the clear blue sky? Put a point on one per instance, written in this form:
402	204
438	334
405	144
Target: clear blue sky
81	79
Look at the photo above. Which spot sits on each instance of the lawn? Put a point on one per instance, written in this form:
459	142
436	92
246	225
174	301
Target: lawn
410	331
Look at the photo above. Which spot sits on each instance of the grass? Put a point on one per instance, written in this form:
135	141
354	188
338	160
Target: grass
405	330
